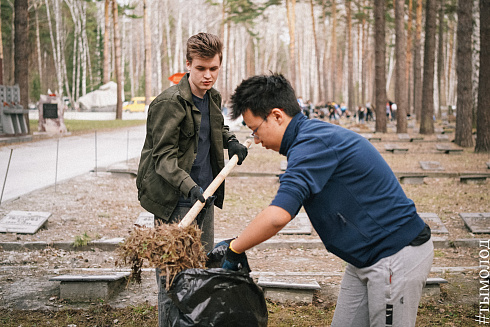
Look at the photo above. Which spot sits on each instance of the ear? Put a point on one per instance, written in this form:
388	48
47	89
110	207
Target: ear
277	114
188	65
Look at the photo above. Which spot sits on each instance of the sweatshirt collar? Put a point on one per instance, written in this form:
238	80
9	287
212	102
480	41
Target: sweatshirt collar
291	132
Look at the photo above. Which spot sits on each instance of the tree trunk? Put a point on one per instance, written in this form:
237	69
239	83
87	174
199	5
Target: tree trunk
1	49
291	13
380	65
417	63
464	71
38	47
483	111
105	75
21	74
426	121
117	64
409	58
401	66
148	71
441	80
333	56
317	52
350	63
364	54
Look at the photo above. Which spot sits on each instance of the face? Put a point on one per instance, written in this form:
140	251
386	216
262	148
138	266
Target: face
267	132
203	73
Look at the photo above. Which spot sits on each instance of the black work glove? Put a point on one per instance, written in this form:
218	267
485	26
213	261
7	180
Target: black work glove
222	256
235	147
235	261
196	193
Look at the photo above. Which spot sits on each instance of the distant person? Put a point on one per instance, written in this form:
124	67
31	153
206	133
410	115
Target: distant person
352	198
394	108
183	149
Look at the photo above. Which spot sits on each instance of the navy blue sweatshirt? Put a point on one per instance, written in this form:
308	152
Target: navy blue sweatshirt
352	197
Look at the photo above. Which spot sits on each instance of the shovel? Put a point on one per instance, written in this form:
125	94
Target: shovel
197	207
171	247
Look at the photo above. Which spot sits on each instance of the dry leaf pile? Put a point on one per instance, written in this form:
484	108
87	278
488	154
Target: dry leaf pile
168	247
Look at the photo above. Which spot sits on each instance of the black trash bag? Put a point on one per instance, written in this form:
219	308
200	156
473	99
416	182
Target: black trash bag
215	297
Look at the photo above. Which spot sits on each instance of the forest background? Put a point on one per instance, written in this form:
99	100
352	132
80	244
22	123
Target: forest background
428	56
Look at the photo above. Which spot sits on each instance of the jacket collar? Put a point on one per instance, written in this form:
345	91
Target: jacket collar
185	89
291	133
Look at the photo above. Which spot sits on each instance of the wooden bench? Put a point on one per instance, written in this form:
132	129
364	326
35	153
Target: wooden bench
81	288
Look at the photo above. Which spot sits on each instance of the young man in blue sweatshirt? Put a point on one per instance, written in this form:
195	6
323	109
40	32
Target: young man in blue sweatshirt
352	198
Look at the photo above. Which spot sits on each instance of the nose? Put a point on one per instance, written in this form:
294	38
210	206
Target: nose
256	140
207	73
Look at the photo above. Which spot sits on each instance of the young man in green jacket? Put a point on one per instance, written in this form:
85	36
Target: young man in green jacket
183	149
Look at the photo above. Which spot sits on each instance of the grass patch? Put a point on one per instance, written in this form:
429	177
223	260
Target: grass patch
85	126
431	314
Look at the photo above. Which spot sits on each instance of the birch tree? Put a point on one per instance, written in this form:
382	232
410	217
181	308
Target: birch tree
56	43
147	37
117	67
291	14
106	74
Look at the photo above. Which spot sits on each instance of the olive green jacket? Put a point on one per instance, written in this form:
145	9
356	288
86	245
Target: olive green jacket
170	148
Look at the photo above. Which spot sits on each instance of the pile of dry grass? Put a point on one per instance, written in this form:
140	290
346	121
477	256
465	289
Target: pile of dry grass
168	247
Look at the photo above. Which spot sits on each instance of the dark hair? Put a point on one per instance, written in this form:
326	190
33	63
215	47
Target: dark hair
204	45
262	93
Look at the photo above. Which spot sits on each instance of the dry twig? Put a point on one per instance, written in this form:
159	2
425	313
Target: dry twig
168	247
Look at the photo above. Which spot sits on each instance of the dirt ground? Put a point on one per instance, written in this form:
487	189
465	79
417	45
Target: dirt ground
103	205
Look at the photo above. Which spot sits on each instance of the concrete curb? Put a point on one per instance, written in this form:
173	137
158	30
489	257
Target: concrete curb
112	244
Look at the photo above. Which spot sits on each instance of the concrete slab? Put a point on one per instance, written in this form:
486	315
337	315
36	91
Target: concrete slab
433	287
473	179
431	165
404	137
288	289
23	222
81	288
435	223
372	137
442	137
395	148
145	219
448	149
477	222
415	179
284	165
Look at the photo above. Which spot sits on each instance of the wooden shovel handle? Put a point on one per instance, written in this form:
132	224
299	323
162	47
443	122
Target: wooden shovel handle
197	207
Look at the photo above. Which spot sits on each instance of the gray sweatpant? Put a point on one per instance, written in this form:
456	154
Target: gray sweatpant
386	293
205	221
